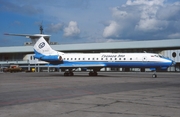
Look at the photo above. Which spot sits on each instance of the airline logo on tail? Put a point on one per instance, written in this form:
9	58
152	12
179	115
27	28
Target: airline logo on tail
41	45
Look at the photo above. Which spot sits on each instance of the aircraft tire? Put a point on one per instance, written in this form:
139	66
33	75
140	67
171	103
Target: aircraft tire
71	74
154	75
93	74
66	74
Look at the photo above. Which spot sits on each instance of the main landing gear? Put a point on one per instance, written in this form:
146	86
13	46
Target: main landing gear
93	73
68	73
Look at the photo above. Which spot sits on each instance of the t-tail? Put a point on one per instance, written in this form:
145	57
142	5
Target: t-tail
42	49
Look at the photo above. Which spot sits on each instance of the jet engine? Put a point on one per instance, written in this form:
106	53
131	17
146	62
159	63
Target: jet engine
50	58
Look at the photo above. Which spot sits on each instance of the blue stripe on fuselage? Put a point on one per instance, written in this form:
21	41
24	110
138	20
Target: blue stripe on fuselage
123	63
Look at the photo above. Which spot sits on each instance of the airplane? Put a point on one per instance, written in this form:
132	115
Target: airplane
94	61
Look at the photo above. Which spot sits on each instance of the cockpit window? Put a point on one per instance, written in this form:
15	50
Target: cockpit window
161	56
156	55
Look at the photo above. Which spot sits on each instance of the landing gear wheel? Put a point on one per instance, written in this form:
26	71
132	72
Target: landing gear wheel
93	73
154	75
67	73
71	74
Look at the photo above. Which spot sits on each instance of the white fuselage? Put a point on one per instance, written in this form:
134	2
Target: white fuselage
148	60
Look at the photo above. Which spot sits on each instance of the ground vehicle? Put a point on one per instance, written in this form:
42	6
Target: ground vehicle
13	68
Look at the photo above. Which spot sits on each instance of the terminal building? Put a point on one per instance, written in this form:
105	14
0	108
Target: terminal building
23	55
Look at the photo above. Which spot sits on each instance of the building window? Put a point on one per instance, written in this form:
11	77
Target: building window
174	54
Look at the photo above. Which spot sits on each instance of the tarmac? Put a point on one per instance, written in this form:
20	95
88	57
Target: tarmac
111	94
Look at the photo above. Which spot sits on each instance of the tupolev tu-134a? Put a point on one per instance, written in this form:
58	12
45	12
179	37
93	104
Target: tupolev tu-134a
94	61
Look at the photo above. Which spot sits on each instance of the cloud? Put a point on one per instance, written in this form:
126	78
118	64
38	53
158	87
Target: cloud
72	30
112	30
54	28
27	9
139	19
145	2
175	35
151	25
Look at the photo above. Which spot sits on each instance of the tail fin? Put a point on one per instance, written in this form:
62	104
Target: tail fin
42	49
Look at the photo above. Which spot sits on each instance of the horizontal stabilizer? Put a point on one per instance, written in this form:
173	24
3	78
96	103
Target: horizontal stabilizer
29	35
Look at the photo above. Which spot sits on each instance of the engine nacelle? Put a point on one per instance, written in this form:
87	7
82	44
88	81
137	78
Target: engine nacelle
50	58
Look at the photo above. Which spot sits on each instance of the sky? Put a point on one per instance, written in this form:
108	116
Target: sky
89	21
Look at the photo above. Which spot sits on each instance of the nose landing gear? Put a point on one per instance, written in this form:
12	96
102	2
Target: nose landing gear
154	75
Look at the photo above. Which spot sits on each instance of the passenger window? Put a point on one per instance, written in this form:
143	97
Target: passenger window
83	58
79	58
106	58
74	58
67	58
88	58
71	58
124	58
101	58
119	58
130	58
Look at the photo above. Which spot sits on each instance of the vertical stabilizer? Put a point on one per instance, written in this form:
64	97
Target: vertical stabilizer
42	47
40	43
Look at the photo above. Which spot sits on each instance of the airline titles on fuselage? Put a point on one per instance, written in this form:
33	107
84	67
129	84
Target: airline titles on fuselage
112	56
